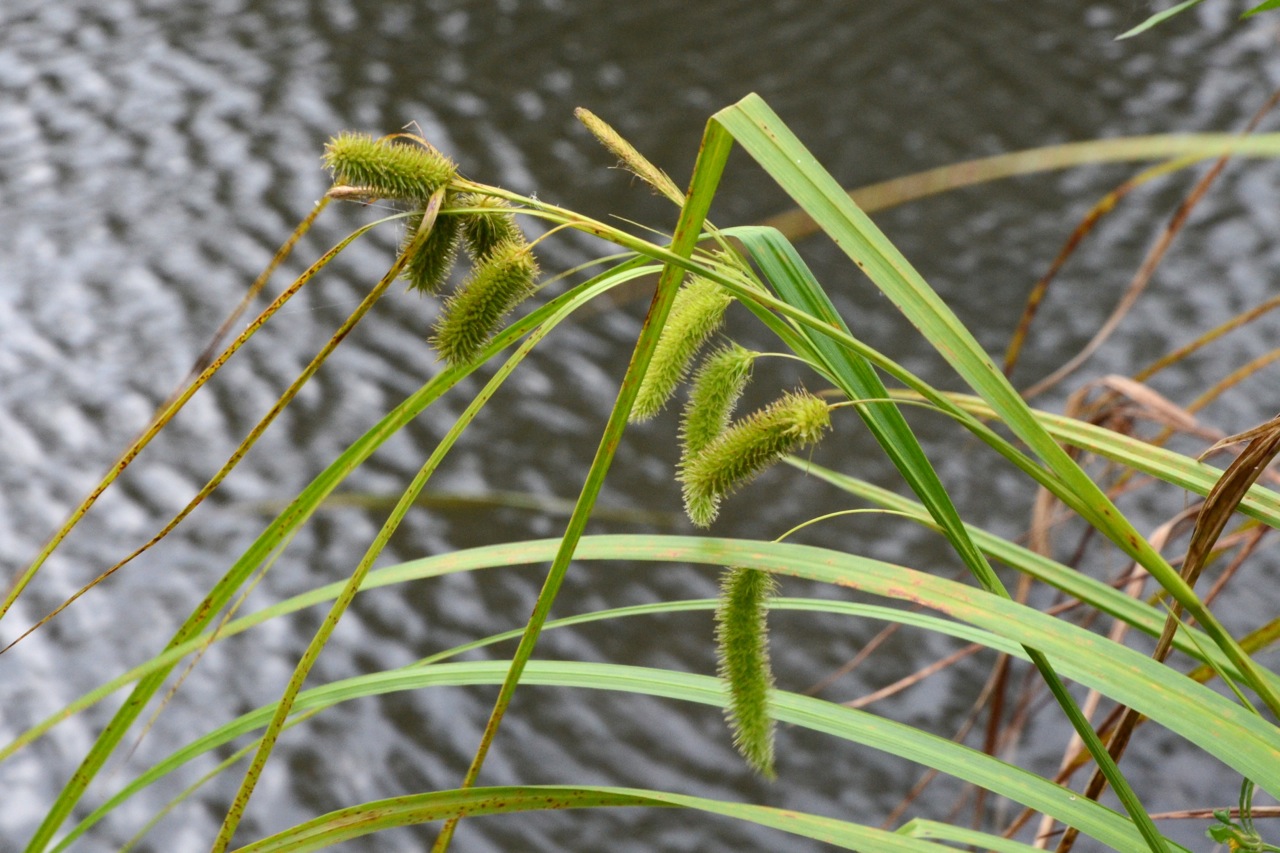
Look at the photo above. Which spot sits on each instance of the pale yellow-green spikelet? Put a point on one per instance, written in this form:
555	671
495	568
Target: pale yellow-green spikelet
742	650
633	160
748	447
428	268
496	285
388	168
491	225
713	394
696	312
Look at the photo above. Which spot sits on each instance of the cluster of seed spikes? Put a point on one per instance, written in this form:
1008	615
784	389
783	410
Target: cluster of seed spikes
503	270
719	455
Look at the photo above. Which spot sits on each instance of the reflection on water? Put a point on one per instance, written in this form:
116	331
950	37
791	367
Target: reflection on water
153	154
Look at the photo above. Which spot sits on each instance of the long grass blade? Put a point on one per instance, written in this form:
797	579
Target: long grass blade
796	284
1188	147
1219	506
1239	738
358	821
759	130
1073	583
225	734
834	720
1246	743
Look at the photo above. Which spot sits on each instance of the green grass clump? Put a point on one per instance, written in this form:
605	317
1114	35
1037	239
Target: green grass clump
751	445
742	649
495	287
719	455
388	169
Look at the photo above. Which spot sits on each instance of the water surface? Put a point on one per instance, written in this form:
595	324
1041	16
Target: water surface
152	156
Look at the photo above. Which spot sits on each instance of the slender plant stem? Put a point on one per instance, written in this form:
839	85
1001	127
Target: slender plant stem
710	165
205	369
253	435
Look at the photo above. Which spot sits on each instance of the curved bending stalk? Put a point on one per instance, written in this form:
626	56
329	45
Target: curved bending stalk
253	435
205	367
303	668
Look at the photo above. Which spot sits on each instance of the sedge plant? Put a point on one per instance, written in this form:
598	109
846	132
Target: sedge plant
457	229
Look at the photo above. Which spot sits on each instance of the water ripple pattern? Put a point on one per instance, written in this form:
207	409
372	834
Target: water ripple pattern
153	153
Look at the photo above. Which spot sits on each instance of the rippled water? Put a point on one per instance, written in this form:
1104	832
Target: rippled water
153	154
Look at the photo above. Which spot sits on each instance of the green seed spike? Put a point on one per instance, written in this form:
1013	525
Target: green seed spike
483	231
496	286
428	269
742	648
388	169
696	313
748	447
716	388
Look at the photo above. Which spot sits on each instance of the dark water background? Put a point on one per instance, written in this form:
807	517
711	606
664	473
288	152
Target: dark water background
153	154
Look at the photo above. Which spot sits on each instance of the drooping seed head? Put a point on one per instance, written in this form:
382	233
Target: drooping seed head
696	312
428	267
495	287
388	168
742	650
748	447
715	391
491	225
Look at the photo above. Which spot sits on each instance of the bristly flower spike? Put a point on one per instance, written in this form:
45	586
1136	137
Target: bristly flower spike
428	268
489	226
748	447
712	397
742	649
696	312
495	287
388	169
